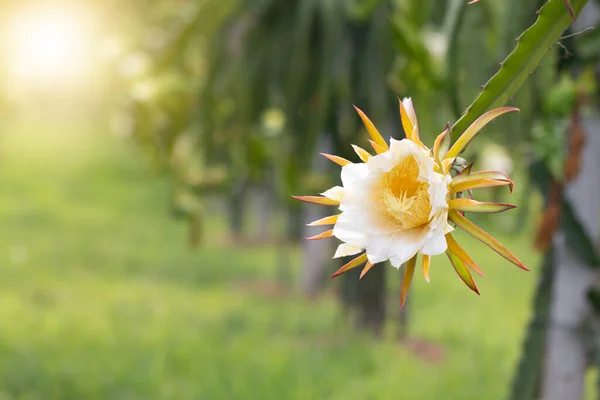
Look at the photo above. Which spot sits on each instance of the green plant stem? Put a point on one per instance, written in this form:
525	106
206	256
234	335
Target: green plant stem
552	21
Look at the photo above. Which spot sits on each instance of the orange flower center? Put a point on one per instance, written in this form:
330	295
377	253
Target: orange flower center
404	199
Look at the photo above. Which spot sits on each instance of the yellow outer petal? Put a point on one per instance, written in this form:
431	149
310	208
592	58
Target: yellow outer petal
378	149
409	272
409	122
466	175
475	128
437	145
324	235
366	269
426	262
408	117
479	207
484	237
447	165
373	132
463	186
337	159
416	139
331	220
324	201
357	262
462	271
462	254
362	153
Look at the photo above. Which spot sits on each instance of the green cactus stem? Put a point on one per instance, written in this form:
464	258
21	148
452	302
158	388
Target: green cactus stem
553	19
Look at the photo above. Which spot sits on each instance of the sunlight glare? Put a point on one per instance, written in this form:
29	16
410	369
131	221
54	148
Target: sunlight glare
47	44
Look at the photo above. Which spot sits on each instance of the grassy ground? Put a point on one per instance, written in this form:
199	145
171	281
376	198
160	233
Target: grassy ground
100	299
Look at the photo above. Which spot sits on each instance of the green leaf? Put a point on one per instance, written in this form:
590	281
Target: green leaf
462	271
478	233
474	129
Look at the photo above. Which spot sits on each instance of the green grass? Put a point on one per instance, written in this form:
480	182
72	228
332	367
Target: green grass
100	298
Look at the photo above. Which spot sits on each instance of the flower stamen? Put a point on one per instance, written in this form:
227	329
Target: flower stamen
403	197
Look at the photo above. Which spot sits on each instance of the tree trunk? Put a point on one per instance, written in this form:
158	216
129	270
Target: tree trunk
348	291
237	208
403	317
372	299
266	206
566	348
316	254
194	230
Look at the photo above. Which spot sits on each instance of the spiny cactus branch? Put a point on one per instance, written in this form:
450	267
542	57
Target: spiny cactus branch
553	19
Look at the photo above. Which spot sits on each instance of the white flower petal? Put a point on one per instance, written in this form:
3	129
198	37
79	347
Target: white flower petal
397	261
364	224
383	162
406	253
353	172
448	228
378	248
438	192
402	148
349	230
346	249
406	245
335	193
435	245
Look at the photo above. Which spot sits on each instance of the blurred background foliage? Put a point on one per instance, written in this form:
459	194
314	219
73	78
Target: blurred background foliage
217	110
